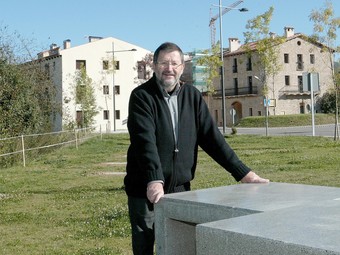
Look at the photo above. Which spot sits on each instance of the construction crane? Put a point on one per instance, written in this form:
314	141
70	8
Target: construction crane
214	18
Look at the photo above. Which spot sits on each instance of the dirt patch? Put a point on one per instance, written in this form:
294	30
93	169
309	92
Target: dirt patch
113	163
3	196
110	173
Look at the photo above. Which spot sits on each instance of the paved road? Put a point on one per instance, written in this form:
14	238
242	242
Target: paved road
320	130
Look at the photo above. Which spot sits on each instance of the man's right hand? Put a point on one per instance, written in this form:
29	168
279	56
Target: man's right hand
154	192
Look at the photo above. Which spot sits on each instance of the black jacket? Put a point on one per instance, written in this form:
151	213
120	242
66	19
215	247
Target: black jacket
153	154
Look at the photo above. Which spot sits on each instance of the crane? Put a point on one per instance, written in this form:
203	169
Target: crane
214	18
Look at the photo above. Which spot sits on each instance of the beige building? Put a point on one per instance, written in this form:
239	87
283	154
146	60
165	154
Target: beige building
111	88
243	88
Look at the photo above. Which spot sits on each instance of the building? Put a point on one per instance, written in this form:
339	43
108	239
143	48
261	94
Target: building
243	88
111	88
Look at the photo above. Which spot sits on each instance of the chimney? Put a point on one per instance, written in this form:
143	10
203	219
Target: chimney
67	44
234	44
53	46
289	31
94	38
272	35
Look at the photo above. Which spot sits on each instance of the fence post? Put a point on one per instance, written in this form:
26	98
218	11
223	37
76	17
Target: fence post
23	150
101	133
75	134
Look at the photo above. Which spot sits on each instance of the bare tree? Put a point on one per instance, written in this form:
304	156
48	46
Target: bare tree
325	31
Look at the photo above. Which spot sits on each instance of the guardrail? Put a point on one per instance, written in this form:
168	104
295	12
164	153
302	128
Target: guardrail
26	143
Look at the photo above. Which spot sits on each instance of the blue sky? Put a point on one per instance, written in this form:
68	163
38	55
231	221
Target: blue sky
148	23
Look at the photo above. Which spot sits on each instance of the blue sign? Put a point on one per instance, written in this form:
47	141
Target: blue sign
266	102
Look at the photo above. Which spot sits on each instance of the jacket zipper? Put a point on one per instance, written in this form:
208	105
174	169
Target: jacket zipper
172	182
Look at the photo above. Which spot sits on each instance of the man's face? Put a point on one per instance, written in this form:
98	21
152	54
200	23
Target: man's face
168	69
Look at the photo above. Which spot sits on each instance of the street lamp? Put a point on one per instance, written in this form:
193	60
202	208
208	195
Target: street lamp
113	81
222	61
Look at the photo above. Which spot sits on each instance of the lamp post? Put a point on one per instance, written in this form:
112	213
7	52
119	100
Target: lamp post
113	81
222	61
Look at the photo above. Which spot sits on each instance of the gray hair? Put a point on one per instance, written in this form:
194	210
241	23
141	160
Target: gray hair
169	47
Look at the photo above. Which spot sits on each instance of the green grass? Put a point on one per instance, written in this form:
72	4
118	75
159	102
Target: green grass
69	201
287	120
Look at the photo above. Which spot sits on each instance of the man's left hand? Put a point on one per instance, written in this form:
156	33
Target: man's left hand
251	177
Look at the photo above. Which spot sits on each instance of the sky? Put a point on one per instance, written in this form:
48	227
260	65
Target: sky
148	23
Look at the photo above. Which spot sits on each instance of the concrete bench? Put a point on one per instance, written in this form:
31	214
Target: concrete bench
274	218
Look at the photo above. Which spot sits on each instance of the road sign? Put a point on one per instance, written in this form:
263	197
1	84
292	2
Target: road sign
309	81
266	102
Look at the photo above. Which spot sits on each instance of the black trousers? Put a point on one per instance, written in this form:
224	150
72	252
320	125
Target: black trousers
142	219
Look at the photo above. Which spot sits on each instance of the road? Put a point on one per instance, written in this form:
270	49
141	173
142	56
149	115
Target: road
320	130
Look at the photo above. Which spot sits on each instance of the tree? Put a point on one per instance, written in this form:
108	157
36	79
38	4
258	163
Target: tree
266	52
27	95
327	102
27	102
144	68
85	97
325	31
211	60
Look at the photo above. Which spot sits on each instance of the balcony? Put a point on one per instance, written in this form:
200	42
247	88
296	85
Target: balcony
299	66
240	91
295	91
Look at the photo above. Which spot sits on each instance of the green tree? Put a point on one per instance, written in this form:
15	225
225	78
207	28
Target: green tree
85	97
26	94
266	50
211	60
325	31
327	102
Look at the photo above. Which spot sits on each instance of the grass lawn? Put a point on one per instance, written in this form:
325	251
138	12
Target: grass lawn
72	201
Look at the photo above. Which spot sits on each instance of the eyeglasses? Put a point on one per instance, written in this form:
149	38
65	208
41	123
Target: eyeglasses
166	64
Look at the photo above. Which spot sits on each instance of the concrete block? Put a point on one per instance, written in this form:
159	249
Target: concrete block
308	229
249	219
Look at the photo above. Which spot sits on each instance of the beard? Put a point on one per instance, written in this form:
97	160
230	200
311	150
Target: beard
168	84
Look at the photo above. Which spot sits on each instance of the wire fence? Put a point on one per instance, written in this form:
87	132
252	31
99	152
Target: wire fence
20	146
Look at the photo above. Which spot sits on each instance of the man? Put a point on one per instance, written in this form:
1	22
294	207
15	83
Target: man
167	122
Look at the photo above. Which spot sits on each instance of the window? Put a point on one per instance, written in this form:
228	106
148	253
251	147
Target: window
216	116
286	58
80	64
250	111
80	119
47	71
117	89
116	65
236	86
141	70
106	114
302	108
287	80
105	65
312	58
250	85
106	89
117	113
299	62
300	82
235	65
249	64
259	113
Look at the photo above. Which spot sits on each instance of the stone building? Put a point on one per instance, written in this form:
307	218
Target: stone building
244	91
